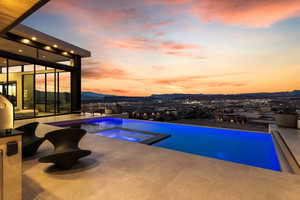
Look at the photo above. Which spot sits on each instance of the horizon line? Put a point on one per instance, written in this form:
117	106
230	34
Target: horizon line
193	93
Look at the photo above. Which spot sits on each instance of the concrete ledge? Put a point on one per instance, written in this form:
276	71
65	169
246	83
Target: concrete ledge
289	140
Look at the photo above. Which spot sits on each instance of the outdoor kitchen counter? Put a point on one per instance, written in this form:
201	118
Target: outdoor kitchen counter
9	133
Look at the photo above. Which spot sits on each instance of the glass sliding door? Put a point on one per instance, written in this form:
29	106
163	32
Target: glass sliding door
40	94
12	92
51	92
3	88
3	76
46	91
35	90
14	80
20	89
28	96
64	92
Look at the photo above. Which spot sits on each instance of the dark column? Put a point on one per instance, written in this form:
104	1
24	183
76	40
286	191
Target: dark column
76	85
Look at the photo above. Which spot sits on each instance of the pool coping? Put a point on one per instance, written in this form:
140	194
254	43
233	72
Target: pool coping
283	139
287	160
193	125
119	117
276	146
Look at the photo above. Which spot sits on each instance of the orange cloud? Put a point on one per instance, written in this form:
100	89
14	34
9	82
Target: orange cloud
177	46
184	54
119	92
251	13
189	82
157	68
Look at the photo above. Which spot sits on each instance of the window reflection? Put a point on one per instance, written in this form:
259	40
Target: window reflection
35	90
28	96
40	93
51	95
64	92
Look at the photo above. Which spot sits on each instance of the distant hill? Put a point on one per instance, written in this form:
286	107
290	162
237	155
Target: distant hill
175	96
93	96
295	93
90	96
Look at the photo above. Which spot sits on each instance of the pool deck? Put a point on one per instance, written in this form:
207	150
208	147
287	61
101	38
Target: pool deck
291	138
119	170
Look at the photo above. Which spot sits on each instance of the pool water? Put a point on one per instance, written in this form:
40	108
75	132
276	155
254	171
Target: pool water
250	148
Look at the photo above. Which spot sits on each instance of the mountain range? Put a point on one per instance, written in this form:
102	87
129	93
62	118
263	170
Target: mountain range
93	96
295	93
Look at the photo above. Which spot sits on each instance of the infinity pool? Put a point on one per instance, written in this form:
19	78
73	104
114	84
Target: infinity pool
250	148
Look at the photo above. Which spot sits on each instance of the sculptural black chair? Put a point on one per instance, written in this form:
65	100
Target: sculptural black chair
66	152
30	142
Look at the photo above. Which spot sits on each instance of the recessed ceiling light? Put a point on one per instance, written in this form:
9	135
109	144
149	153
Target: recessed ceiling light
55	46
34	38
47	48
26	41
71	51
65	53
20	50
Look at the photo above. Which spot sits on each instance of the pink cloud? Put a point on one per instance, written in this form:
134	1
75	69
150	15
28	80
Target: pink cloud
99	70
92	13
168	2
178	1
159	34
164	47
251	13
154	25
148	44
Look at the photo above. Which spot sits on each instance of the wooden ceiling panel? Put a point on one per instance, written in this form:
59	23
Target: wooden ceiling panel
13	12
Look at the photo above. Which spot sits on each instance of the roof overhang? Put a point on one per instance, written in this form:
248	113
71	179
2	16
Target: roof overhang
12	12
27	32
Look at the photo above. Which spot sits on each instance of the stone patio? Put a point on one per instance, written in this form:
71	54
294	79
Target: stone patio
119	170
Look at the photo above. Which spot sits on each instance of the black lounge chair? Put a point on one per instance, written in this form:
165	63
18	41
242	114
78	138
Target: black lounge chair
66	152
30	142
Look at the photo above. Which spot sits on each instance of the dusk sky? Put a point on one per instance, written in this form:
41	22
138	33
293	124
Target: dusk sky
144	47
